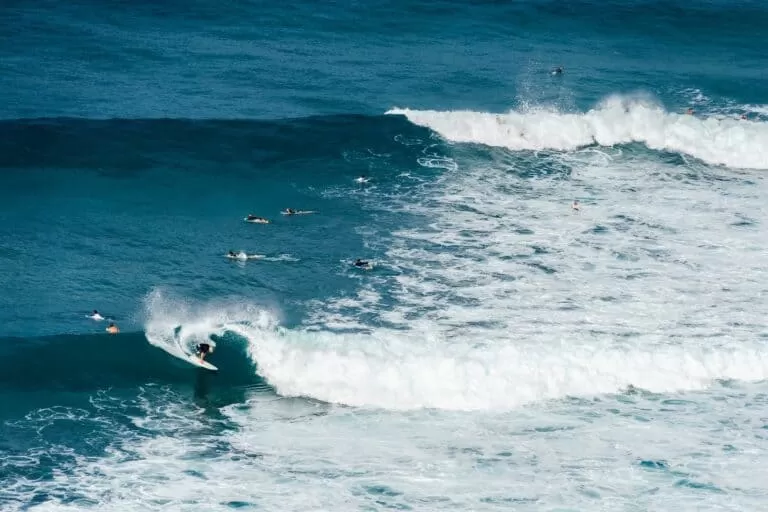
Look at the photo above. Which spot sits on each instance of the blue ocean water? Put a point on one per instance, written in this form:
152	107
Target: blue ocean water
509	349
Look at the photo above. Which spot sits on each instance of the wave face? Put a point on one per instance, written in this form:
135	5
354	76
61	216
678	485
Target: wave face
563	308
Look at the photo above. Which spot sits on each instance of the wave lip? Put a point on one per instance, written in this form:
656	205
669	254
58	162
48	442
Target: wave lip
617	120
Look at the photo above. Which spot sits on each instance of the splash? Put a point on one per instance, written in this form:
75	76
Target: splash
617	120
177	325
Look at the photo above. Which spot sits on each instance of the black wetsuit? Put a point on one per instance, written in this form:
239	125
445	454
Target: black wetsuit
203	348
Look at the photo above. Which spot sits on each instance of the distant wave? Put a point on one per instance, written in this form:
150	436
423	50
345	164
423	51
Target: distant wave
124	144
617	120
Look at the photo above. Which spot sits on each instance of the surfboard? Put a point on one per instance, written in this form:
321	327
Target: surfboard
298	212
202	364
244	257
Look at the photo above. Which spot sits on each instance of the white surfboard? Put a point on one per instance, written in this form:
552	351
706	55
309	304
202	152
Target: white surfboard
241	256
198	362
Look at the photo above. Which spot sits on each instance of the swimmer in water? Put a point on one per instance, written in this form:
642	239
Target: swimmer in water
362	263
96	315
743	117
558	70
202	350
113	329
576	206
690	111
232	254
290	211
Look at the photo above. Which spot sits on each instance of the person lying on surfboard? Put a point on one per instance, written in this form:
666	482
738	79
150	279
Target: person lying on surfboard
202	350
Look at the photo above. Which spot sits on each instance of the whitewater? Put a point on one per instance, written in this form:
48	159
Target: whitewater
719	139
565	308
504	345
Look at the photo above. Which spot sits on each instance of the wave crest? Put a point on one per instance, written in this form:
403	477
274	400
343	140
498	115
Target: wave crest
617	120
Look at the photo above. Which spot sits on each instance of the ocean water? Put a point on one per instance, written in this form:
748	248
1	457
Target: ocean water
505	352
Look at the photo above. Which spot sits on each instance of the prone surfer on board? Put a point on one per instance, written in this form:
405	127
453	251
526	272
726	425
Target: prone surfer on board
365	264
202	350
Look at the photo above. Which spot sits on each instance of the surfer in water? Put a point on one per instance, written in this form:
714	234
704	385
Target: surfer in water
557	70
576	206
362	263
113	329
202	350
290	211
97	316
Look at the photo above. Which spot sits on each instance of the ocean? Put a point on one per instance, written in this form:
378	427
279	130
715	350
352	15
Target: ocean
565	308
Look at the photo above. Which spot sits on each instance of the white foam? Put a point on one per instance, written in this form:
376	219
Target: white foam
295	455
405	369
652	283
757	109
197	322
617	120
395	370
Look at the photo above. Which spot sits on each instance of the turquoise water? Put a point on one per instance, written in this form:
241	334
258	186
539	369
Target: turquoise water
506	351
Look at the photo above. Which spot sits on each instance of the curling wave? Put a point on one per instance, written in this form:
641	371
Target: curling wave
617	120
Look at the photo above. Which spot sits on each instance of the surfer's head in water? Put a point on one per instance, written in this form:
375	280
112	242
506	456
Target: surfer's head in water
203	349
112	329
558	70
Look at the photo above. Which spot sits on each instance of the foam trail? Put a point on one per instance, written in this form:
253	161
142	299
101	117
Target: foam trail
400	374
617	120
757	109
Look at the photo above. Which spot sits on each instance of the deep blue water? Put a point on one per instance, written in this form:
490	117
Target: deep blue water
136	136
